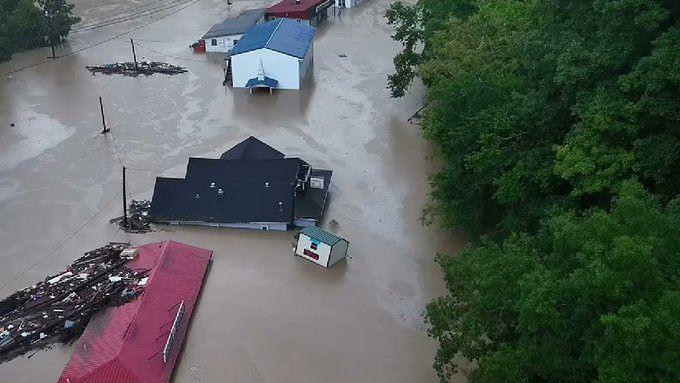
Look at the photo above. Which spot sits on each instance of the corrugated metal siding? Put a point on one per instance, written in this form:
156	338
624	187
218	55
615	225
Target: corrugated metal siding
124	344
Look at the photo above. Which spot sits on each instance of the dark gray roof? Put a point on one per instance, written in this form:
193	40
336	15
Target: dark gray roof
318	234
310	203
253	191
236	25
253	149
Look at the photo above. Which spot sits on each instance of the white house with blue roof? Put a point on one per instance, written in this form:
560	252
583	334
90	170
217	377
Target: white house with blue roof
275	55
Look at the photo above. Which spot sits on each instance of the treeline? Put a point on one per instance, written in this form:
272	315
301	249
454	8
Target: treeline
27	24
557	123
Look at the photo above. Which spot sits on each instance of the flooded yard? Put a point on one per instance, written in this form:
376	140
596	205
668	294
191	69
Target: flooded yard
263	315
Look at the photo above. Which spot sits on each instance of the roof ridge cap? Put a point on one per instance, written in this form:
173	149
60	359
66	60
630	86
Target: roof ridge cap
266	45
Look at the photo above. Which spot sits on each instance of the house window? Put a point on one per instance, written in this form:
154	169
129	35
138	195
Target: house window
213	42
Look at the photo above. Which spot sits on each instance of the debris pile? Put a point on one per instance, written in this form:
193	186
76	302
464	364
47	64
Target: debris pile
142	67
138	220
57	309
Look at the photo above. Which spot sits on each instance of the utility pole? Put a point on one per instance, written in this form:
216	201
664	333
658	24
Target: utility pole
125	221
101	108
51	36
134	55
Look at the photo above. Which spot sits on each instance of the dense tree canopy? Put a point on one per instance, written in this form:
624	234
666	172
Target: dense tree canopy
27	24
594	298
557	126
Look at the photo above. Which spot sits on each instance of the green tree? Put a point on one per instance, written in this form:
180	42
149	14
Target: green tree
26	24
544	105
59	19
593	298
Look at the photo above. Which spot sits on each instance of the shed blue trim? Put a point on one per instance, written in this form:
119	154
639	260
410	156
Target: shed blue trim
282	35
320	235
268	82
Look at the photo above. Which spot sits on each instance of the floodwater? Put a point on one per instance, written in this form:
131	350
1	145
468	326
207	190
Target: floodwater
264	315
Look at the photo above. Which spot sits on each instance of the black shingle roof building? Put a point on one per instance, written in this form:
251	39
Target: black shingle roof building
251	186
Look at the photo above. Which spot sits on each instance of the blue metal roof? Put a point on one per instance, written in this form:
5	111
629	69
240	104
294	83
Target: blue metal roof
282	35
320	235
267	82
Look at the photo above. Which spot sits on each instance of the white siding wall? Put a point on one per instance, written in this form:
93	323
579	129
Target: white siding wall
306	63
323	250
279	66
338	252
348	3
224	43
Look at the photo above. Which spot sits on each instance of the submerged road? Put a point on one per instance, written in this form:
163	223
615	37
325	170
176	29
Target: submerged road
264	315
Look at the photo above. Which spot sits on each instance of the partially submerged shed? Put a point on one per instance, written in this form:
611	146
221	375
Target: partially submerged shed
321	247
140	341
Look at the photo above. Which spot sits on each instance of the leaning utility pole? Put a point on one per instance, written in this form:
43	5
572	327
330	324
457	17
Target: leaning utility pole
101	108
51	36
125	221
134	55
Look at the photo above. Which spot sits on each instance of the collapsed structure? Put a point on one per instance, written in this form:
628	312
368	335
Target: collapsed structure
140	341
251	186
58	308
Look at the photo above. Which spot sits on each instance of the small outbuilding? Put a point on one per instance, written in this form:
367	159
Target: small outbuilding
225	35
309	12
275	55
321	247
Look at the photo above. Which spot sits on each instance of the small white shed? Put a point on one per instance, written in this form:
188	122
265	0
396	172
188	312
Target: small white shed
274	55
321	247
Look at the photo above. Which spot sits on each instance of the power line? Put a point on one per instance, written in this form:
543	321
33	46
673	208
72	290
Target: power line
163	7
65	241
176	57
10	72
121	12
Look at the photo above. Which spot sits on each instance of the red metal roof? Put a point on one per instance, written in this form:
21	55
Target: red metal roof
125	344
304	9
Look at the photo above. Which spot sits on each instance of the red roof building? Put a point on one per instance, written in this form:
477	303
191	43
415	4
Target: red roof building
311	12
129	344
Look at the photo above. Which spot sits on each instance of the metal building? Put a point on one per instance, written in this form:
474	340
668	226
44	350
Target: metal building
275	55
140	341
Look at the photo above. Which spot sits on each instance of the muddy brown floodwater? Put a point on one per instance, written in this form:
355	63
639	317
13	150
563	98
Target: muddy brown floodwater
264	315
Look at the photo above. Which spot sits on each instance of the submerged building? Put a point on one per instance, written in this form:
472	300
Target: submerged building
251	186
275	55
141	341
309	12
225	35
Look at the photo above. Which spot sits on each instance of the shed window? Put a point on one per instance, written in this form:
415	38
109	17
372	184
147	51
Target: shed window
314	246
213	42
311	254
